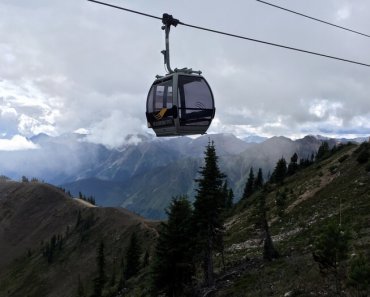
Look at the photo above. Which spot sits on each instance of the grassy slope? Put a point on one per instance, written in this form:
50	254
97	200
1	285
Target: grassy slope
32	213
314	196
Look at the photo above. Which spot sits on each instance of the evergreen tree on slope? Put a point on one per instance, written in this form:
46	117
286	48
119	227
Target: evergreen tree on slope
100	279
249	186
208	209
258	182
133	254
173	266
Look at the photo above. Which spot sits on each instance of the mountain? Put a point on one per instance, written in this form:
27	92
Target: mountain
58	159
145	177
32	214
141	175
332	191
254	139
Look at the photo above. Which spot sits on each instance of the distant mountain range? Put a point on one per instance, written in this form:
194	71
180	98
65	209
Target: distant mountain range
143	177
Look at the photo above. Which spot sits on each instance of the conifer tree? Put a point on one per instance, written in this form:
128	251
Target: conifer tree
173	267
79	217
249	186
225	193
323	151
280	170
332	247
228	195
230	199
208	210
133	254
258	183
269	251
100	279
293	165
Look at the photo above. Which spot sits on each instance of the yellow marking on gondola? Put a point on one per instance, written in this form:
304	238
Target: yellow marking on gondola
160	114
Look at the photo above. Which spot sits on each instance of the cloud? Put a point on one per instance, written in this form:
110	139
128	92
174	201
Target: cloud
16	143
343	13
25	110
68	65
116	129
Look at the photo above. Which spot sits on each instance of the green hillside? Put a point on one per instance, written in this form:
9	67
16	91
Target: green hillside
333	191
49	242
336	189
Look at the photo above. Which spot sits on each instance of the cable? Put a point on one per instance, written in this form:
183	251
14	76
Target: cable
126	9
238	36
275	44
312	18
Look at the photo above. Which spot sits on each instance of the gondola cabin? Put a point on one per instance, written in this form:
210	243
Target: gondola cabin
180	104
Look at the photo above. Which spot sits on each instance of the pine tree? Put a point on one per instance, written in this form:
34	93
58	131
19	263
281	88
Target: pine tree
293	165
228	195
269	251
208	210
280	170
332	247
323	151
258	183
79	217
100	279
249	186
133	254
173	267
225	193
230	199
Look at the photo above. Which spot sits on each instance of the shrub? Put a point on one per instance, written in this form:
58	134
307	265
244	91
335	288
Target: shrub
333	169
343	158
363	157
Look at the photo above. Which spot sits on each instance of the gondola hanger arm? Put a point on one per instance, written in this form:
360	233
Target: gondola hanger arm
168	21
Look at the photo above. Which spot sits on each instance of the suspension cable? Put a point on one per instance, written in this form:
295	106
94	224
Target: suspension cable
238	36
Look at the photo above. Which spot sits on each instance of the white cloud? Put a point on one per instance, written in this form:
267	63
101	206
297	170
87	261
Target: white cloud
71	64
116	129
82	131
29	126
343	13
16	143
322	108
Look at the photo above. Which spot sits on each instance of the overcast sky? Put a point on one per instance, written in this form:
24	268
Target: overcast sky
73	65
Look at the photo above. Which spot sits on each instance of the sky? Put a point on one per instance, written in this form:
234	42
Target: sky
75	66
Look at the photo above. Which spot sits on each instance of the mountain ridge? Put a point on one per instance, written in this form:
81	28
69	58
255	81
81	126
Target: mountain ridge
31	214
79	166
